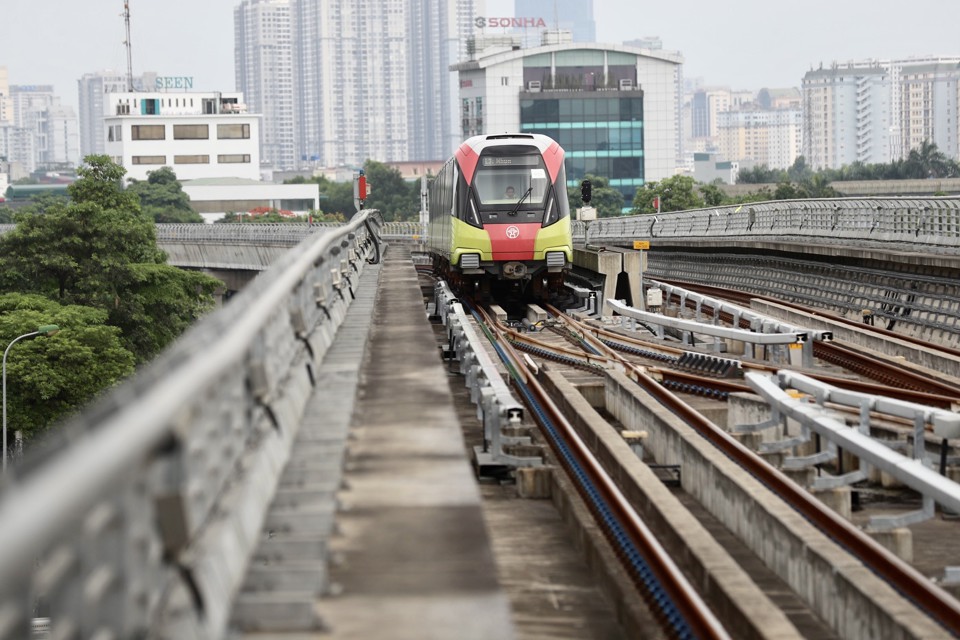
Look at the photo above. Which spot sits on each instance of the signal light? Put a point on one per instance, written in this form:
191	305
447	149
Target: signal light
585	191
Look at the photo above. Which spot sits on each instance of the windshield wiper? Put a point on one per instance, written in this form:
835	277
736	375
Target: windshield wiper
520	201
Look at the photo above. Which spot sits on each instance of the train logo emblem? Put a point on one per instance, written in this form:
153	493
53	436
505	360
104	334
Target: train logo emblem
513	232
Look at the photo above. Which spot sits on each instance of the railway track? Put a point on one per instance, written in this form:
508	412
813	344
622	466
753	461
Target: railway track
566	347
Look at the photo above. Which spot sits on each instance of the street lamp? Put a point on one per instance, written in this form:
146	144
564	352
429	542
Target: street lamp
45	330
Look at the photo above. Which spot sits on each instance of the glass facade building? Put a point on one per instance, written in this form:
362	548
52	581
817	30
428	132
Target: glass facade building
614	109
601	135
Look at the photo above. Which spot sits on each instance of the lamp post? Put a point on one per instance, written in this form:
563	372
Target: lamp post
45	330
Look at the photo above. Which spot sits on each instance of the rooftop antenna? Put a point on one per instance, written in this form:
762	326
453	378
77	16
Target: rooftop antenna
126	20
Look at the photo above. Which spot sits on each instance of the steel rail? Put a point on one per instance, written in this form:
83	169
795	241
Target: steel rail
702	622
939	605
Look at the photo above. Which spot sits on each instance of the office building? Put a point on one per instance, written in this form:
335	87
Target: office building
198	135
93	89
614	109
263	63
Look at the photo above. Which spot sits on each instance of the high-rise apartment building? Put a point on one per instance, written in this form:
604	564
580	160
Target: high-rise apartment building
877	111
6	103
752	135
263	63
93	89
372	78
929	104
43	131
847	116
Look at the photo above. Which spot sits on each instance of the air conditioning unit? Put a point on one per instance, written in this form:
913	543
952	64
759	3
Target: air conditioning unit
626	84
533	85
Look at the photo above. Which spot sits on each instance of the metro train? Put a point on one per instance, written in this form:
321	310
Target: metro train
498	212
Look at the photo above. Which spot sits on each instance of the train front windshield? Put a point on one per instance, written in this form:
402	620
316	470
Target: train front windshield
502	180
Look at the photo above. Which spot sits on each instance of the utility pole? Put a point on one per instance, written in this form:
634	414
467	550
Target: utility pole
126	20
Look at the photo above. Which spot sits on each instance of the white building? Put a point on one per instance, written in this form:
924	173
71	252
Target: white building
198	135
93	89
847	116
212	198
263	63
614	109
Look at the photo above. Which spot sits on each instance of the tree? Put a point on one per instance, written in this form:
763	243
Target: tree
162	197
676	193
712	195
605	199
86	252
394	197
49	378
336	197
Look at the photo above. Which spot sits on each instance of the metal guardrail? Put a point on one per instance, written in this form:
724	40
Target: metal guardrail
933	223
914	473
141	520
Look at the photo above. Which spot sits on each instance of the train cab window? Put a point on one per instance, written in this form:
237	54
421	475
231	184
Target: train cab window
503	180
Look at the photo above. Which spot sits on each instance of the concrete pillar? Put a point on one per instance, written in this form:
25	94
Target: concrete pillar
899	541
635	439
534	482
632	265
837	499
607	263
749	440
803	477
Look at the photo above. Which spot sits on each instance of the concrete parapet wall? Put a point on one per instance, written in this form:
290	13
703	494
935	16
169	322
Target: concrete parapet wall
739	603
200	255
838	587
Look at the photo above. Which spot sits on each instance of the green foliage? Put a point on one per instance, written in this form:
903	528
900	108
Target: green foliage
676	193
336	197
606	200
394	197
6	214
158	302
50	377
101	182
93	252
162	197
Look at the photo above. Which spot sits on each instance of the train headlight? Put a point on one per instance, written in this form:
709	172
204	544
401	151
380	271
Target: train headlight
552	213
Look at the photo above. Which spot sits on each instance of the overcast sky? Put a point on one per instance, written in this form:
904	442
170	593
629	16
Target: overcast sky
743	44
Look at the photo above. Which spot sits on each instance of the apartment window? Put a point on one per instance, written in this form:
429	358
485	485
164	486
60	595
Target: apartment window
148	132
233	131
114	133
149	159
192	159
191	132
234	158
